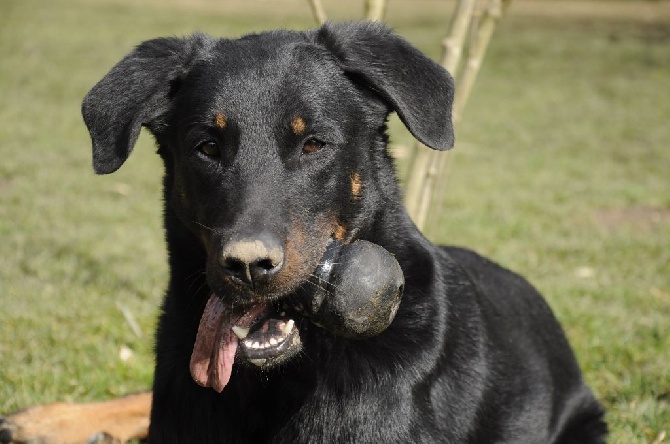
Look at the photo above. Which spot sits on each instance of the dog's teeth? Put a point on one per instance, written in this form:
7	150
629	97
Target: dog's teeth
281	325
240	332
255	345
273	341
280	339
258	362
288	327
248	343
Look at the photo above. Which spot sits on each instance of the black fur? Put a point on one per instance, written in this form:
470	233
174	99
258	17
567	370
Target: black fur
474	353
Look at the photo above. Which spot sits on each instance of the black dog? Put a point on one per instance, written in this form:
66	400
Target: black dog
274	145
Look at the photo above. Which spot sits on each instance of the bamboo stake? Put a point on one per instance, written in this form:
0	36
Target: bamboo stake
318	11
375	10
486	21
417	176
478	20
420	184
490	19
452	45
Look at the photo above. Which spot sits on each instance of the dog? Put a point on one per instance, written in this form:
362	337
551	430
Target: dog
274	146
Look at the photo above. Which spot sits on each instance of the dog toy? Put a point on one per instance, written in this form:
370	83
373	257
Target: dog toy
358	289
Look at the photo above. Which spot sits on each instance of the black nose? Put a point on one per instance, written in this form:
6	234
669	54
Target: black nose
252	261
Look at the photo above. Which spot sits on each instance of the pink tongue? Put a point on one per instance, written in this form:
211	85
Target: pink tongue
215	345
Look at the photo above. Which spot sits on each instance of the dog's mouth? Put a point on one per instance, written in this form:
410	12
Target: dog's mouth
354	293
261	334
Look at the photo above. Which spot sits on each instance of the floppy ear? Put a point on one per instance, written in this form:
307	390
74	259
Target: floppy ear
418	89
135	92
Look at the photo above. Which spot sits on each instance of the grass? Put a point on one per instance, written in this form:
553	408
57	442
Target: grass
561	173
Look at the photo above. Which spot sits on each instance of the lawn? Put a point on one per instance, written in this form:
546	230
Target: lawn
561	172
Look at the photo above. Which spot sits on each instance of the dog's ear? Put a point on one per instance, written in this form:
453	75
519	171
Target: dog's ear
418	89
135	92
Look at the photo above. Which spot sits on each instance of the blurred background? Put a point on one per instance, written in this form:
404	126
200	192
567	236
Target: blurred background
561	172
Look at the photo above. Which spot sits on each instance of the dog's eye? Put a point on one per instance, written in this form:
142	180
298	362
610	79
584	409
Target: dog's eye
210	149
312	146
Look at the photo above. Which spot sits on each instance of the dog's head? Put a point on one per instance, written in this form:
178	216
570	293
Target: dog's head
272	145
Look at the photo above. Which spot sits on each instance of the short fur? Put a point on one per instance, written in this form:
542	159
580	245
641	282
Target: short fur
474	353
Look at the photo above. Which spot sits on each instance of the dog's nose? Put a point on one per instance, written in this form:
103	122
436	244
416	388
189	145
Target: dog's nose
252	261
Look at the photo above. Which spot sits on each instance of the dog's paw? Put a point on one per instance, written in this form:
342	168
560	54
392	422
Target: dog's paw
103	438
115	421
12	430
7	431
44	424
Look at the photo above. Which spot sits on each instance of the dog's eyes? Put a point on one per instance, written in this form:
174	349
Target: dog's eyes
312	146
210	149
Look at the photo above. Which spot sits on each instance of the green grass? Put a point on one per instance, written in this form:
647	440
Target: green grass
562	172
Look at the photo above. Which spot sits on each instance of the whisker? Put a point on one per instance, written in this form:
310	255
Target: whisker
320	287
205	226
322	280
195	280
195	274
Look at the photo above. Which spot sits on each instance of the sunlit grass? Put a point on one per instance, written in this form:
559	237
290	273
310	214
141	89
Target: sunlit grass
560	172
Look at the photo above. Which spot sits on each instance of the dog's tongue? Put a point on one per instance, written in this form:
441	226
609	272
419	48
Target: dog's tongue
216	344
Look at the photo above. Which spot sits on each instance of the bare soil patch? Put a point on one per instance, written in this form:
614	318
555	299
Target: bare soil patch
636	217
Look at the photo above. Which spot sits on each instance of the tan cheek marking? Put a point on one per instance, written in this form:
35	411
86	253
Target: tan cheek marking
304	247
356	185
340	232
298	126
293	251
220	120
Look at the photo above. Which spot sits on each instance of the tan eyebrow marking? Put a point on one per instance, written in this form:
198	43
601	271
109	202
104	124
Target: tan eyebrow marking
356	185
220	120
298	125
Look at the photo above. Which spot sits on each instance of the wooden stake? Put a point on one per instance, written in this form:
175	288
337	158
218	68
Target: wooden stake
375	10
485	18
318	11
423	167
430	167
